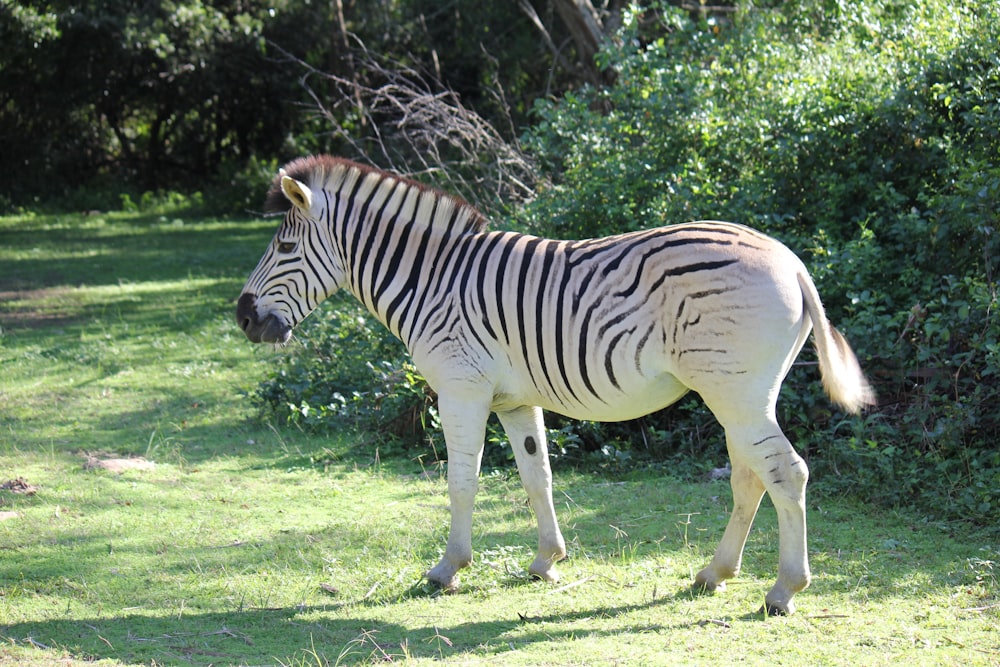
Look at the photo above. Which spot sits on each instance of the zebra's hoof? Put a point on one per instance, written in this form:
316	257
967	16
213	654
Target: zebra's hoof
443	576
777	609
706	582
543	569
446	587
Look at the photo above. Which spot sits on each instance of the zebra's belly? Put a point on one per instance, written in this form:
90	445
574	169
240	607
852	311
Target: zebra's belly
607	404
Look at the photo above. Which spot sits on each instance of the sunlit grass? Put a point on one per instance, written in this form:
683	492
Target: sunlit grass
254	543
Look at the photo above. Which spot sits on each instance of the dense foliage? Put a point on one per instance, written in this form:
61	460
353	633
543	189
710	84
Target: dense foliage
98	98
864	135
868	140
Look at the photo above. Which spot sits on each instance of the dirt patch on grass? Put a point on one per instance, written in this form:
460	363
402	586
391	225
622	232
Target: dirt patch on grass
26	309
19	486
118	465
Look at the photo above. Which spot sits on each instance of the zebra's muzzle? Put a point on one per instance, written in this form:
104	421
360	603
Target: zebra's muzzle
269	329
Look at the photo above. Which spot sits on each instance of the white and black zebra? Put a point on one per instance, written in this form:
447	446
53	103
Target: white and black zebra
604	329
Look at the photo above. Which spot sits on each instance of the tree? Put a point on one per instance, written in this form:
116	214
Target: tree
161	94
178	94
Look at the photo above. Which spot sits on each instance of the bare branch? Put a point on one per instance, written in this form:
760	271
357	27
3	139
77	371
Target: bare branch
536	20
415	125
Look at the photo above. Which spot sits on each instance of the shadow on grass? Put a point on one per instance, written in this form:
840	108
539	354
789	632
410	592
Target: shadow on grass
144	248
295	634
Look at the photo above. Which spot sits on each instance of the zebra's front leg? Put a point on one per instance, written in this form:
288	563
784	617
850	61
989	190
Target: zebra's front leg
526	432
464	423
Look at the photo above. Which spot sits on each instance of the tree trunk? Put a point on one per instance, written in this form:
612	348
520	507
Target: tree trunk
587	30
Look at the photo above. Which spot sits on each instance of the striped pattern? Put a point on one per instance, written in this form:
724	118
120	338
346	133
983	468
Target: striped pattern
605	329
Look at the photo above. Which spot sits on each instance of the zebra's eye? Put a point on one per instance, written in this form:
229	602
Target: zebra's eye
285	247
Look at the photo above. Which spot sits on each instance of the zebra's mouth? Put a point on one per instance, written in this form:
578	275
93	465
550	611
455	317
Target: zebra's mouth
269	329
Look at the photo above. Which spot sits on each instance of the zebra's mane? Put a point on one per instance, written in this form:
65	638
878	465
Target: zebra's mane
327	172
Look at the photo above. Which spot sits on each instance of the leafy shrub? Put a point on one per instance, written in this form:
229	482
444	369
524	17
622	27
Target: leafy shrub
866	137
345	370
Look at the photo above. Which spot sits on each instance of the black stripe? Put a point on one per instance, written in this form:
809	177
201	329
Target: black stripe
481	277
453	261
436	271
609	353
359	262
349	208
562	319
447	318
624	252
417	269
690	268
642	344
467	248
312	258
581	252
547	258
391	230
678	322
582	288
508	246
638	273
401	236
520	289
582	344
476	245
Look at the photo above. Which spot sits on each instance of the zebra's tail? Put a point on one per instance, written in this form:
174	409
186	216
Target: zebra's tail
843	379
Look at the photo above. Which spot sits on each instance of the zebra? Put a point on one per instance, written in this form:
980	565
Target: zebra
606	329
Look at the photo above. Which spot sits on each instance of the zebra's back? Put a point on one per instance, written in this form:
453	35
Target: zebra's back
617	327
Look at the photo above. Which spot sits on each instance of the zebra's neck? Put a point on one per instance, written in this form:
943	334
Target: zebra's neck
400	241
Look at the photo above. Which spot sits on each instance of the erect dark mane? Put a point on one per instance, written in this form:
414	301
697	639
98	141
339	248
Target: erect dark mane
317	170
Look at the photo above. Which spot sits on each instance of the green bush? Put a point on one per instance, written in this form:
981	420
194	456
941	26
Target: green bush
867	140
345	370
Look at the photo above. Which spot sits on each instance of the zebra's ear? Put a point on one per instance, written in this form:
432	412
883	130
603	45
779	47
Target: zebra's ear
298	193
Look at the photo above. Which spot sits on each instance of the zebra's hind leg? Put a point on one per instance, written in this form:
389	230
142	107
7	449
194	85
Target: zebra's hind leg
785	475
526	433
747	493
464	424
763	459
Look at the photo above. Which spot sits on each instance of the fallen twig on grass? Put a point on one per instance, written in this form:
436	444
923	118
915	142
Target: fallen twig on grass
371	591
567	587
228	632
98	633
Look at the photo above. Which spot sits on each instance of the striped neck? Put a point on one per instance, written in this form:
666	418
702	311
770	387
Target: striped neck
397	239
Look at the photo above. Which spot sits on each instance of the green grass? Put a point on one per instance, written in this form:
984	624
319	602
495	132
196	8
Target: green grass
252	543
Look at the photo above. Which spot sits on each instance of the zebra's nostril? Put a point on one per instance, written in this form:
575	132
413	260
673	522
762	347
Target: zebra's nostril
246	315
246	310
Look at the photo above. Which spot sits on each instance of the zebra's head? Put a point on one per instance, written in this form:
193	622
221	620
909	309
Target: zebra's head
299	269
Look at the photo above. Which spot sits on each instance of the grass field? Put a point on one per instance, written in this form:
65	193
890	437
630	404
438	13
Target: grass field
249	543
